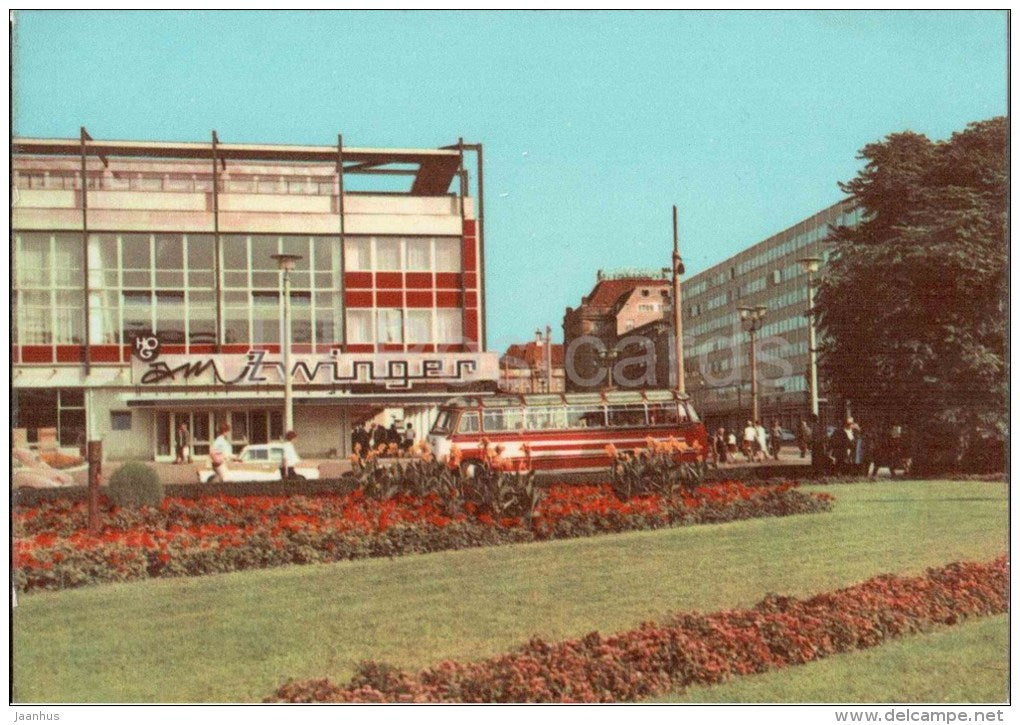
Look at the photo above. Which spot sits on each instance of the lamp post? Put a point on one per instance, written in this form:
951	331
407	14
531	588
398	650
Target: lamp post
608	357
810	265
287	263
752	317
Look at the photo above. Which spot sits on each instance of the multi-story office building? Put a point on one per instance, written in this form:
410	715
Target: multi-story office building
717	345
146	293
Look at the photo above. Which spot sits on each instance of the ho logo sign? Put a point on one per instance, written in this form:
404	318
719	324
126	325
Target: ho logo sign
146	347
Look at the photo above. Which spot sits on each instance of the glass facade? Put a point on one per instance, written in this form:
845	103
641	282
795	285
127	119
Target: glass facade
165	284
716	345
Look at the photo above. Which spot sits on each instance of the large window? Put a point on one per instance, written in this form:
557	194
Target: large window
395	254
165	283
42	408
49	285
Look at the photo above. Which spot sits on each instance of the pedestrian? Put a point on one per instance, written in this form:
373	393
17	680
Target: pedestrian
221	452
393	437
731	445
803	437
357	447
844	444
750	440
762	440
183	444
290	456
719	446
409	437
379	437
777	438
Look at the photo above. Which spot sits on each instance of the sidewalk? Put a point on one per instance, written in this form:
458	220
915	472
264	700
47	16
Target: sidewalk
175	474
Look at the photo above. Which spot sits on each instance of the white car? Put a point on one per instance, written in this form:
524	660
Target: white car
262	462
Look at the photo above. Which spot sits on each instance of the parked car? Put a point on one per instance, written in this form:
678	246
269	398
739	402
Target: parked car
262	462
788	436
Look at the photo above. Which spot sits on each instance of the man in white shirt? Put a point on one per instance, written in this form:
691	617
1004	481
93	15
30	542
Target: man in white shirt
221	452
750	438
762	440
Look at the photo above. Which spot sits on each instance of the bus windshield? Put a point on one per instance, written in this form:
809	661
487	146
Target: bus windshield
444	423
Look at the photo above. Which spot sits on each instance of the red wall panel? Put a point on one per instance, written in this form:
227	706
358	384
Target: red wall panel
419	299
358	299
419	280
469	253
68	353
447	299
105	353
36	354
448	280
389	298
358	280
389	280
471	323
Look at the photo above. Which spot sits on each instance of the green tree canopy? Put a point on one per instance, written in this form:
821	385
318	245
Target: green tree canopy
913	304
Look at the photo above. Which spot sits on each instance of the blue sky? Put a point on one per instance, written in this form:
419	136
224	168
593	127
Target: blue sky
594	123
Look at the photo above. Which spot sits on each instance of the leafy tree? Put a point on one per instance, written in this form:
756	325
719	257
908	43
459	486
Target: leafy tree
913	305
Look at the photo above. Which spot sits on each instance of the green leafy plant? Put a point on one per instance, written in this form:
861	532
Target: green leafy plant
653	471
503	494
134	485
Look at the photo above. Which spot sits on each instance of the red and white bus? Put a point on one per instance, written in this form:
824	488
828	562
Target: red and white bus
566	431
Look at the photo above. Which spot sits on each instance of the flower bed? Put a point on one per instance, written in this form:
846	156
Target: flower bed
182	537
689	648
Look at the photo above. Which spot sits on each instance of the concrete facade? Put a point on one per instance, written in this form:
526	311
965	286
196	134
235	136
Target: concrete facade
115	242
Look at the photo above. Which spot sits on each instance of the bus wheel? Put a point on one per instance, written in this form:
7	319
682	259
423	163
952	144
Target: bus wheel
470	468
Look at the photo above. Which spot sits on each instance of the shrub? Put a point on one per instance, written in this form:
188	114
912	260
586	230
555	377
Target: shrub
134	485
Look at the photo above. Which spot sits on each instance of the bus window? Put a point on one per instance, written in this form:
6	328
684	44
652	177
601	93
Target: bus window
444	423
503	419
468	423
664	414
626	415
545	418
585	416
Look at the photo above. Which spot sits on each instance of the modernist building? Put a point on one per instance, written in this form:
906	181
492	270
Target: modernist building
145	292
534	367
717	346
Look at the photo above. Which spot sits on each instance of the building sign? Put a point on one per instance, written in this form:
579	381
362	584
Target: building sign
399	371
145	347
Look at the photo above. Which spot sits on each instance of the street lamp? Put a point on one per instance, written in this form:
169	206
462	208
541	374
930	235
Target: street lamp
287	262
752	317
608	357
810	265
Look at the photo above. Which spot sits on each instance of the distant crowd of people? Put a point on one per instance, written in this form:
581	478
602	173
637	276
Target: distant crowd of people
757	443
369	436
849	449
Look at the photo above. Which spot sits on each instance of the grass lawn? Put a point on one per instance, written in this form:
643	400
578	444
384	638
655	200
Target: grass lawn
235	637
966	663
